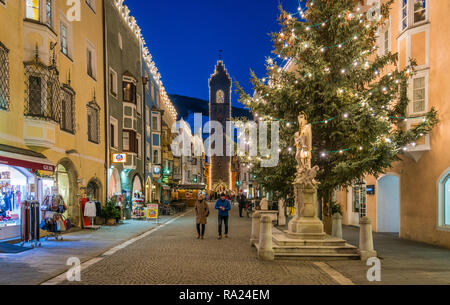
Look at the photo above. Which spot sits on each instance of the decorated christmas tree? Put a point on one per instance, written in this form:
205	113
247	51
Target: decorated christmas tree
355	96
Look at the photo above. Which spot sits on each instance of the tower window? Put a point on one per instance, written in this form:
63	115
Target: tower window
220	97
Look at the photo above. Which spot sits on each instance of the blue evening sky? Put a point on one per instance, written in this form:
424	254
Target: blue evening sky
184	38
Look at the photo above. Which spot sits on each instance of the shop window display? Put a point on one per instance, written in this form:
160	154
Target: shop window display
14	188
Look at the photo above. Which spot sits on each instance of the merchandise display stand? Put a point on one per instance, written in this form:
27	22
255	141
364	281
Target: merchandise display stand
30	224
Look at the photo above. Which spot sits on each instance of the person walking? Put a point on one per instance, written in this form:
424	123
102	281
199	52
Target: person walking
202	213
223	206
241	200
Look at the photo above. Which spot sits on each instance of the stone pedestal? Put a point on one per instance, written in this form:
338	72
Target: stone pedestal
281	213
254	237
265	249
306	224
256	217
366	239
337	226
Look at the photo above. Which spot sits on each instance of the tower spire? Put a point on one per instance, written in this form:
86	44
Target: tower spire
220	54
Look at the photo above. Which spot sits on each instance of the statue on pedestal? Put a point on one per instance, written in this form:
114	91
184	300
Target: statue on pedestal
305	223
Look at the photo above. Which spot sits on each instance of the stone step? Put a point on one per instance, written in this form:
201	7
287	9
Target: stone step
347	249
316	252
283	240
317	256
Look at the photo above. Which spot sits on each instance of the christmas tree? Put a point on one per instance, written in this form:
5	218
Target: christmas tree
355	98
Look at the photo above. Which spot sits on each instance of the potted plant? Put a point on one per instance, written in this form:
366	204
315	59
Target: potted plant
110	212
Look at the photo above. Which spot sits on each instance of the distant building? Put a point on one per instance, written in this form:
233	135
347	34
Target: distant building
220	110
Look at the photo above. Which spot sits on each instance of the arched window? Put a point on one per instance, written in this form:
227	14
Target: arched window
444	201
220	97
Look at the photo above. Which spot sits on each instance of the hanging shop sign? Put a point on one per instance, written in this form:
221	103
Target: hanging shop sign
119	158
156	170
152	211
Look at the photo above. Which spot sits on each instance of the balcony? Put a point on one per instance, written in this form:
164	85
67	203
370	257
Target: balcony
42	104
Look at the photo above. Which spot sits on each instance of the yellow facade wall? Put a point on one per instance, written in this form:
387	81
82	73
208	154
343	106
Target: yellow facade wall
86	158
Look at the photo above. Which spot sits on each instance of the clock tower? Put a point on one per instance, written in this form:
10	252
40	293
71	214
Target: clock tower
220	110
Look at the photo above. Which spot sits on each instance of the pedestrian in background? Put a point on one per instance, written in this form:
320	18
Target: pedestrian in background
241	200
223	206
202	213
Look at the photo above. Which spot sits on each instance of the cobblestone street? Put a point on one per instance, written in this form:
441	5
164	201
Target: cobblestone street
173	255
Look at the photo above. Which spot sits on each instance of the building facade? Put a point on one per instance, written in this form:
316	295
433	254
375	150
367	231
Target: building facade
125	111
51	106
412	198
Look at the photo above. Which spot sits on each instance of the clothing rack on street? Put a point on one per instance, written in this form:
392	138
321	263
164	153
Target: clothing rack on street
54	221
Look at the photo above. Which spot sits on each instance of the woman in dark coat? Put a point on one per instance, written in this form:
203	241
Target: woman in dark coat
202	212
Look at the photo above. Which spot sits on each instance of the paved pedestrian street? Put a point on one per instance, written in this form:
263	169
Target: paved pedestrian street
141	252
173	255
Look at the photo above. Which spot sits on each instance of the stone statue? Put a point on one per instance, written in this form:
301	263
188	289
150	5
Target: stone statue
303	143
305	224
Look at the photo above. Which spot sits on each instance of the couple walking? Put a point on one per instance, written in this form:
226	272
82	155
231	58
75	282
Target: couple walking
202	213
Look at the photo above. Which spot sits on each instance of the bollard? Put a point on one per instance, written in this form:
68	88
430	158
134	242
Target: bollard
265	249
281	213
255	228
337	226
366	239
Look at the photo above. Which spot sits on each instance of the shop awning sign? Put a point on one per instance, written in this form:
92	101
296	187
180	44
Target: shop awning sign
119	158
26	162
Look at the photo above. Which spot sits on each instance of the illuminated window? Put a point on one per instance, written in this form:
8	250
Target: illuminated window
32	9
129	91
420	10
220	97
419	95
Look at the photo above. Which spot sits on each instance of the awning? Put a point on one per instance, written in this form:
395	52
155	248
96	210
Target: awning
24	158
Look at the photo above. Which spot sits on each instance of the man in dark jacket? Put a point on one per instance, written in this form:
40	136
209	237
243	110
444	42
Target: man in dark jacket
241	200
223	206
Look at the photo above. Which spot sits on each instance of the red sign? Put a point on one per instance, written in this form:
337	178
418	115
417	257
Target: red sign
27	164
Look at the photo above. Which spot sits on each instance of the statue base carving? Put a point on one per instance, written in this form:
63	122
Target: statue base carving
306	224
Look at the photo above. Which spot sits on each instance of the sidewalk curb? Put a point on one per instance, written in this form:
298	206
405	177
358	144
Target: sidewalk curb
54	278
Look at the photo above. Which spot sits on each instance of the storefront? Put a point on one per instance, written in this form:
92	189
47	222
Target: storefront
24	175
